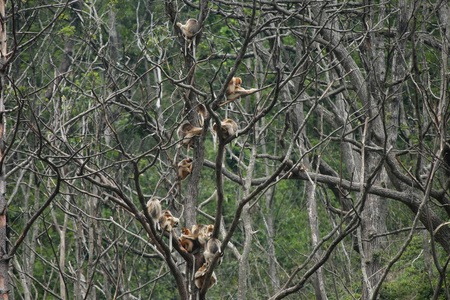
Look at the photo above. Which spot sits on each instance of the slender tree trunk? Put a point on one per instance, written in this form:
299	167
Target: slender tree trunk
248	231
273	269
66	60
4	278
28	254
313	217
113	36
91	244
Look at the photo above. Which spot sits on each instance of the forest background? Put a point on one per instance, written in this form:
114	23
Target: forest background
336	185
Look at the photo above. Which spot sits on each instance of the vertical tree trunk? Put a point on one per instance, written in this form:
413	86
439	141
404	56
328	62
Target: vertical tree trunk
313	217
113	36
4	280
373	217
248	231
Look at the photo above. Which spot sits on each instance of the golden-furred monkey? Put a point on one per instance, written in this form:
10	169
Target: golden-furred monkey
184	168
190	29
188	241
168	222
202	113
228	126
200	277
202	232
235	91
186	132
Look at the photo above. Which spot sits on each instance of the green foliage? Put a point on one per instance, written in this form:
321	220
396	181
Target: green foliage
67	31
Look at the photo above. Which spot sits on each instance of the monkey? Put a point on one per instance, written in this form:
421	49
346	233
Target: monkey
190	29
184	168
235	91
212	247
154	210
186	132
188	241
167	221
200	277
240	92
187	232
229	128
232	85
203	233
202	114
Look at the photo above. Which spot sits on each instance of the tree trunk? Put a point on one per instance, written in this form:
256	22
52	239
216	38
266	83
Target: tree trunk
4	278
313	218
248	231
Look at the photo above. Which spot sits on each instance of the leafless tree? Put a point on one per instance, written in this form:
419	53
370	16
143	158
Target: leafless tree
340	160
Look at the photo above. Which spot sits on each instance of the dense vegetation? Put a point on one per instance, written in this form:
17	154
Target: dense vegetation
336	185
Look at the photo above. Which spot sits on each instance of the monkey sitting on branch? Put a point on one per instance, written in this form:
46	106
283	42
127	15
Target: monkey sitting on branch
190	29
188	241
186	132
229	128
202	114
168	222
235	91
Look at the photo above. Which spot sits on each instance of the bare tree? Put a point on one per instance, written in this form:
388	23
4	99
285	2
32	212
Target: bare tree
338	162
